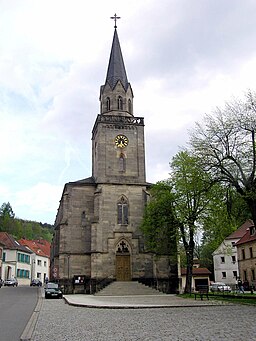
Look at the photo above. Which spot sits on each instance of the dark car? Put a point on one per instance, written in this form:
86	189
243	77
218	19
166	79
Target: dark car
1	283
52	290
36	283
11	282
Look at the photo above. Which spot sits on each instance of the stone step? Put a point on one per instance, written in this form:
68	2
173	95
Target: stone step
127	289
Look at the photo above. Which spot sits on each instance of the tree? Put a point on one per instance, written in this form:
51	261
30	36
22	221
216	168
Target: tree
191	187
6	210
226	212
178	203
7	215
160	228
226	147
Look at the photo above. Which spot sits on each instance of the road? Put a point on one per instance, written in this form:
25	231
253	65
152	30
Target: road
16	307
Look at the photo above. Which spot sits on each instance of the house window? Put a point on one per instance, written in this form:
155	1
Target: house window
108	104
245	275
233	259
222	259
253	275
45	263
235	274
250	250
39	262
224	275
21	273
120	103
122	211
233	244
4	257
243	254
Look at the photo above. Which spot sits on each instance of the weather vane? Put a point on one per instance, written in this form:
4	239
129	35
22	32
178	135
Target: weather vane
115	17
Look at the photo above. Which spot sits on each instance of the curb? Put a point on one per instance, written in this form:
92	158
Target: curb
29	329
138	306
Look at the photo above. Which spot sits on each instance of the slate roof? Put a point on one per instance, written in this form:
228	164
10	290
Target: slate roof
40	247
116	69
11	243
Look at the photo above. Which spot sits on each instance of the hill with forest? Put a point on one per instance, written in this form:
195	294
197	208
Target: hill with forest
20	228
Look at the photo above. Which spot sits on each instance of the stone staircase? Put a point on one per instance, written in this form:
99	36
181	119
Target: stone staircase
127	289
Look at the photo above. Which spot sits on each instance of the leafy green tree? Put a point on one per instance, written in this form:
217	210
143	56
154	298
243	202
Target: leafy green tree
226	146
6	210
191	187
7	218
226	212
178	204
160	228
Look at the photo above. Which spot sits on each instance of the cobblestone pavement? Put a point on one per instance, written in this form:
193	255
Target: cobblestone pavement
59	321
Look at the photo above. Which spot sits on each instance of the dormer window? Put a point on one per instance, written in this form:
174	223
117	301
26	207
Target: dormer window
108	104
252	230
120	103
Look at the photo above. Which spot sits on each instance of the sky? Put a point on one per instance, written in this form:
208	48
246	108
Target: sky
183	58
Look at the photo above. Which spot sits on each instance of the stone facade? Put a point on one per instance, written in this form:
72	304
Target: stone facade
97	237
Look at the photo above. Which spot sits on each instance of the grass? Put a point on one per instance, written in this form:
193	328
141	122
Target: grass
228	297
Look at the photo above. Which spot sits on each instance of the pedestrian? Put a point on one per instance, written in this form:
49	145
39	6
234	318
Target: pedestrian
240	286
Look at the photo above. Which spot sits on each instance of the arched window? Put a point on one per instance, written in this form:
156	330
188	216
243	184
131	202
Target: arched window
122	163
122	211
129	106
120	103
108	104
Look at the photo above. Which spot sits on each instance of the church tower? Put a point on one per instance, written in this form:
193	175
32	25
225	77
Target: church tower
118	154
97	237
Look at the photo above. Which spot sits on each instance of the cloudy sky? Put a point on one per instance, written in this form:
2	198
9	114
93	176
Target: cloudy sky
183	58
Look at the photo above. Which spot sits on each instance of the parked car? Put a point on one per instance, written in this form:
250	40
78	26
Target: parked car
219	286
36	283
11	282
52	290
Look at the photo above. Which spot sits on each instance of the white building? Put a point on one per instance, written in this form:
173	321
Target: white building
16	260
40	258
225	258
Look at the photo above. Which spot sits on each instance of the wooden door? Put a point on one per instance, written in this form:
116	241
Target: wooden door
123	268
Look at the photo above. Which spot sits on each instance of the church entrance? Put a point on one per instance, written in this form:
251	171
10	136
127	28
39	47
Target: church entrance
123	262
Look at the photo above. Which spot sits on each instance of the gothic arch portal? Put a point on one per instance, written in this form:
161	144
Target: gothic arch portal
123	261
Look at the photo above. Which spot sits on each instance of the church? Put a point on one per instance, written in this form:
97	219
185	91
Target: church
97	237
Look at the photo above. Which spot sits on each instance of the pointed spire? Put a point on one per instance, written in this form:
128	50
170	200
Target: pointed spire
116	69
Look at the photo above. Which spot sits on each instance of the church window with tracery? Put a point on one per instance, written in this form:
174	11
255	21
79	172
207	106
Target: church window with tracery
122	247
120	103
122	211
108	104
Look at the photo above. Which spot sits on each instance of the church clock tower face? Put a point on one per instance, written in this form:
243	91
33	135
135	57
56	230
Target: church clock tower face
121	141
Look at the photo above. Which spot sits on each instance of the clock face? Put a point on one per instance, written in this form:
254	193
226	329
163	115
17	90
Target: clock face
121	141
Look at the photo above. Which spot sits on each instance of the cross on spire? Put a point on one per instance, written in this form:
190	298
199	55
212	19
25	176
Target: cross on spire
115	17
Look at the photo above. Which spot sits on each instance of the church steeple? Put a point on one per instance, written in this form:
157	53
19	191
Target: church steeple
116	69
116	94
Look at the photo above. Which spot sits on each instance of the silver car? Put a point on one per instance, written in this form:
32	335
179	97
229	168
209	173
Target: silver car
220	286
11	282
